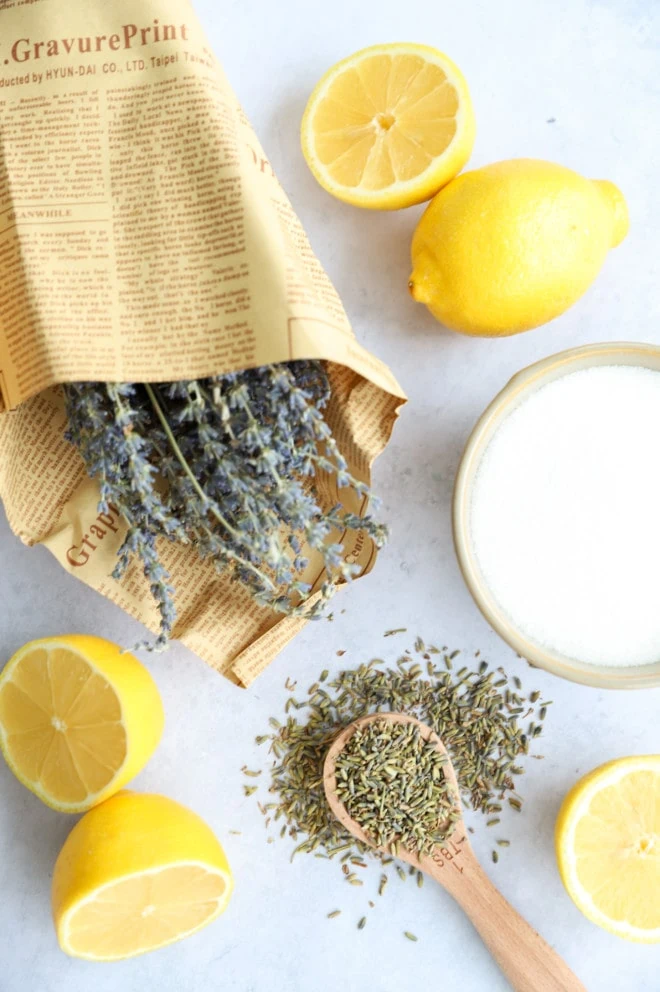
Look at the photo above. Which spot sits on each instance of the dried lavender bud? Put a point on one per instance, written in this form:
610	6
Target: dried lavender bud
226	464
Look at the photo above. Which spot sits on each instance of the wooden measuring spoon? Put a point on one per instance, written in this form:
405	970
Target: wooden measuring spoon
526	960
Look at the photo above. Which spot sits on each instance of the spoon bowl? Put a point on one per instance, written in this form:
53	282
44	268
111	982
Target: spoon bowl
529	964
458	834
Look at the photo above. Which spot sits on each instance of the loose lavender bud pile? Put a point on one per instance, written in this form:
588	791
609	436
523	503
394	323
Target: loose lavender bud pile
226	464
487	725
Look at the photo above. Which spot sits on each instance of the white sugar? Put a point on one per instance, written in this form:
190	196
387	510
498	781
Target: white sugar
565	516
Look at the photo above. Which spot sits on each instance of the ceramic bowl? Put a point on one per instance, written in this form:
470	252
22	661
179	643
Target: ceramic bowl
518	389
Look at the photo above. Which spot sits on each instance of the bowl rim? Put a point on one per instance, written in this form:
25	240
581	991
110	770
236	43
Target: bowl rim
526	381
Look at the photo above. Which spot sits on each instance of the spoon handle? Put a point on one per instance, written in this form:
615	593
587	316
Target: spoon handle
523	956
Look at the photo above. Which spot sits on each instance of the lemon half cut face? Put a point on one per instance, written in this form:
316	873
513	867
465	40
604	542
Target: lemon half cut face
79	719
389	126
608	847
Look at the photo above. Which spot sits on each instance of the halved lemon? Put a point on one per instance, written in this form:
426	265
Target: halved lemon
389	126
136	873
608	847
78	719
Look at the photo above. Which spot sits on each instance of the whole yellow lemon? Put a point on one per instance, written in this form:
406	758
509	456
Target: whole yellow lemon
510	246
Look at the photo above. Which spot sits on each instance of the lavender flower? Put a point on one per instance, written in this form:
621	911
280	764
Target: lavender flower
227	464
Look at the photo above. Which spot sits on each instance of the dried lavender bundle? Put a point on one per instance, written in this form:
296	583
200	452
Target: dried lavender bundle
226	464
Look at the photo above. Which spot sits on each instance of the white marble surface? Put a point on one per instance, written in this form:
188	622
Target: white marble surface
592	65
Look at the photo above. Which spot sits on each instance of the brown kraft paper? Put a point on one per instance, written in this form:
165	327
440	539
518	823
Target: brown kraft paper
145	237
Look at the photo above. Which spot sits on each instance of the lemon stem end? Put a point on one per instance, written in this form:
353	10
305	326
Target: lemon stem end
416	290
617	204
